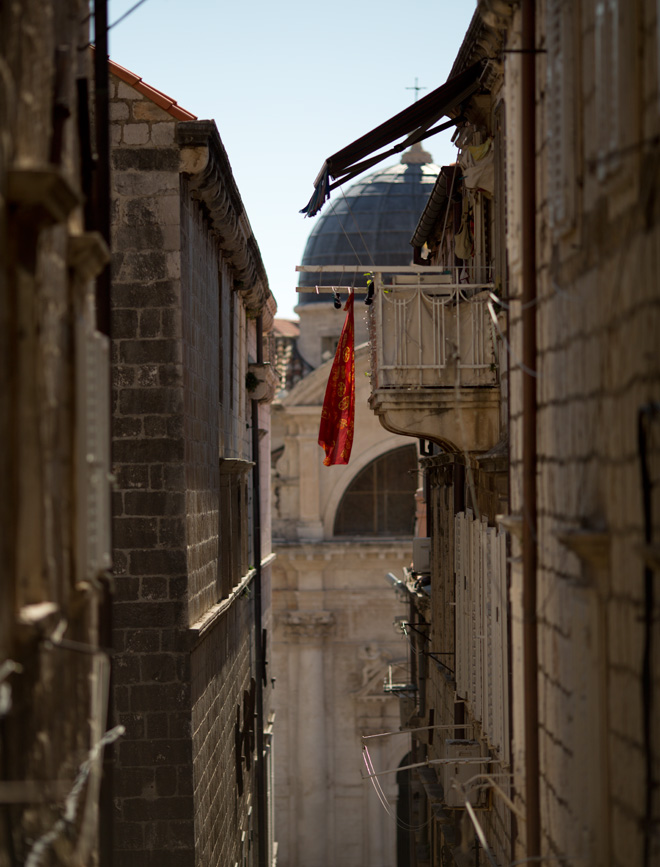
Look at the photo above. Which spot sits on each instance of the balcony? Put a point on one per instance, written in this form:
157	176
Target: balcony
434	369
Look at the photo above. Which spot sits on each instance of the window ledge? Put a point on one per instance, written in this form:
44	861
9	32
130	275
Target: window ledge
235	466
206	623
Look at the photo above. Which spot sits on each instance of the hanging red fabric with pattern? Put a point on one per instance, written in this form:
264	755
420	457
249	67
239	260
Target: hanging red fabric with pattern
338	413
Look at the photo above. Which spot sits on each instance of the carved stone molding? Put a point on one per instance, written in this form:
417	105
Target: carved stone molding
235	467
44	191
513	524
374	662
87	255
306	624
212	182
263	383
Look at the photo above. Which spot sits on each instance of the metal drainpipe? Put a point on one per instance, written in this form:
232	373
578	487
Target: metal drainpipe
101	218
102	170
530	677
262	807
509	554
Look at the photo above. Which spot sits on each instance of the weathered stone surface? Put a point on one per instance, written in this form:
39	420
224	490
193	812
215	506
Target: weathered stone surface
172	326
144	159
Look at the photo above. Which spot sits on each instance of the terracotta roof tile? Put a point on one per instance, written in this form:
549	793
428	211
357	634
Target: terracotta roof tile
286	327
161	99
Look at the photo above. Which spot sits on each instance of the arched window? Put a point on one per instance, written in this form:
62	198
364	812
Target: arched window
380	501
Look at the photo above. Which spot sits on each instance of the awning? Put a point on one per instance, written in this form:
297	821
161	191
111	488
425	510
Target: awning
416	122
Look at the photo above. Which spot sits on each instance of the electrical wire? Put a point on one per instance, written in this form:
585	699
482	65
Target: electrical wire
509	349
451	192
126	14
382	797
90	16
491	784
348	237
368	251
43	843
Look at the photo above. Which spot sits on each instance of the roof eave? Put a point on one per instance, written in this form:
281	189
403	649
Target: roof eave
214	184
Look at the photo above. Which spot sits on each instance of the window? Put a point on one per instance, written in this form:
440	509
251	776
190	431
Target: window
235	524
481	630
329	347
380	501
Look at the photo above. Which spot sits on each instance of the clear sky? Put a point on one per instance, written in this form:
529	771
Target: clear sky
288	84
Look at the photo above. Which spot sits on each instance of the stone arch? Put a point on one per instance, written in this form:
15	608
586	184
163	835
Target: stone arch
358	462
374	502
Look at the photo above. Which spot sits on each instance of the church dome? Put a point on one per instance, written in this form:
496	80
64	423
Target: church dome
370	223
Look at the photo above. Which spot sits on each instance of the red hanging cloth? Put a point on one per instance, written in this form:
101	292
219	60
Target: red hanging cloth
338	413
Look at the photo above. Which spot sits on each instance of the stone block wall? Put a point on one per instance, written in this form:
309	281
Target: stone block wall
333	640
51	713
450	493
599	353
151	674
598	326
222	664
200	320
185	656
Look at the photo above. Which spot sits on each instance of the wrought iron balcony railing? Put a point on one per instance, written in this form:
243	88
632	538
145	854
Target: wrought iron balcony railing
434	371
431	331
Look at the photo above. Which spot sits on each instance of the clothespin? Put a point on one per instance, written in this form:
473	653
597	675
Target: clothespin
370	291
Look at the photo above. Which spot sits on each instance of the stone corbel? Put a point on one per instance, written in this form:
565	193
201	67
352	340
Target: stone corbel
87	256
235	466
513	524
496	13
262	382
44	192
592	547
41	197
205	162
37	621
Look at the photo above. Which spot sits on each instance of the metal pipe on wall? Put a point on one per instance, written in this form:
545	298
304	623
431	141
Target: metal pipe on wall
530	555
102	168
262	806
101	220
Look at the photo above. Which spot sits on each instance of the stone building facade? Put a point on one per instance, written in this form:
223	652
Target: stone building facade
191	612
540	675
598	430
338	530
54	470
335	637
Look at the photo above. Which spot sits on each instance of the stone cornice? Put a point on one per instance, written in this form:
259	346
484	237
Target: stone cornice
359	548
306	624
234	466
205	163
483	39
